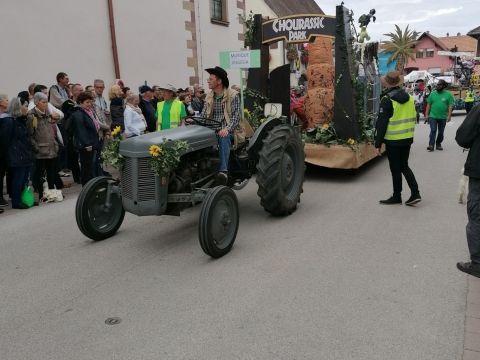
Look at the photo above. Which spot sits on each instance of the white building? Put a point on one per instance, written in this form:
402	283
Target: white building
159	41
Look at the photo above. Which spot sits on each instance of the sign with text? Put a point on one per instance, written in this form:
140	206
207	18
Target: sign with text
244	59
298	28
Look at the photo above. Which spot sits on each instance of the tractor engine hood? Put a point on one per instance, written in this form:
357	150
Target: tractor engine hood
198	137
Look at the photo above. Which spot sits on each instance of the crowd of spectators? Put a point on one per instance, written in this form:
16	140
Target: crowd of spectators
51	133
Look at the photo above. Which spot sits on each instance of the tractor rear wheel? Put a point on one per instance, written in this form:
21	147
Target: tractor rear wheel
281	171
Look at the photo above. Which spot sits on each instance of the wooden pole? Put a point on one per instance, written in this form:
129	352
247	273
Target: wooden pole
111	18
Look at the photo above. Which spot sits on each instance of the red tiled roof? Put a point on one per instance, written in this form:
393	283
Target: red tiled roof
463	43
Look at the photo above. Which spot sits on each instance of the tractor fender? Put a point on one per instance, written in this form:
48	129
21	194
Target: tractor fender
256	141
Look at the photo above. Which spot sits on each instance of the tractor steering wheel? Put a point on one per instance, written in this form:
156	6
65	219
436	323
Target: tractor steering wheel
203	121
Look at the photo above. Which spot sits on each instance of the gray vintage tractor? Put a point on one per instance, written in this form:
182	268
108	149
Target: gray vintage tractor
274	153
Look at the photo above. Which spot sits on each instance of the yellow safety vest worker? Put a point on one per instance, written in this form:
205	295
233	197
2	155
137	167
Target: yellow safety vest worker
401	125
175	111
469	97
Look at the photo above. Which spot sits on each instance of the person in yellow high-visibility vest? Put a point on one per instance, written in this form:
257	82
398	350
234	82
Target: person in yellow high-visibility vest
395	128
170	111
469	100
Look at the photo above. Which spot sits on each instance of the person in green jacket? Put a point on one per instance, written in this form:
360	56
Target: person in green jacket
439	112
170	111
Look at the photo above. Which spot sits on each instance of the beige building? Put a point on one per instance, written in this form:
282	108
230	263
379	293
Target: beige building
158	41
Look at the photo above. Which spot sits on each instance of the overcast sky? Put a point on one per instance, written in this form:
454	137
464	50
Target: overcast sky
439	16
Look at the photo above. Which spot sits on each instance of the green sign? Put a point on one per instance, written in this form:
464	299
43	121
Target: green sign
244	59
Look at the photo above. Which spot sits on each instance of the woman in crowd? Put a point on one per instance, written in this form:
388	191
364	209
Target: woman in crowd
86	127
5	132
135	123
116	106
104	133
42	130
20	150
186	98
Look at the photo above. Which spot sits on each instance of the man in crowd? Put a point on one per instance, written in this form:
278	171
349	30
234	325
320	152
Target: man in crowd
395	128
57	95
148	110
100	104
439	112
60	92
170	111
76	90
468	137
157	95
222	105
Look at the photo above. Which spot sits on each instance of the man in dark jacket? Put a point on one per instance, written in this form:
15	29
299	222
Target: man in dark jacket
395	128
148	111
468	136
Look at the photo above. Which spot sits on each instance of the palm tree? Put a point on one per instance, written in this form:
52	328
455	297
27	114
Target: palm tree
401	45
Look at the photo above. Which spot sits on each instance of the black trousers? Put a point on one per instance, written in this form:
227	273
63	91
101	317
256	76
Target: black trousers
43	166
398	161
3	172
86	165
72	157
473	226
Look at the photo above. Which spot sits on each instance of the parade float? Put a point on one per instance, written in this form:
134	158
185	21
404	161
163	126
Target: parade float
343	96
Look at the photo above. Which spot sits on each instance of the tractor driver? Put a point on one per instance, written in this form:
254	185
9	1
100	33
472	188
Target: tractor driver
222	105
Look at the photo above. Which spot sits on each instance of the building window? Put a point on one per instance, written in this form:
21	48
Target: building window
430	53
219	12
420	54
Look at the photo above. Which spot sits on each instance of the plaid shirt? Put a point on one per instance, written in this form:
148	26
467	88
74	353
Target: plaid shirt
219	116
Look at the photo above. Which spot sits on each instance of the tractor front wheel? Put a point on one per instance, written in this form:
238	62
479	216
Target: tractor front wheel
219	220
97	218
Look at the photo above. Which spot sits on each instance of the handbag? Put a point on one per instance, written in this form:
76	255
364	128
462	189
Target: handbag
27	197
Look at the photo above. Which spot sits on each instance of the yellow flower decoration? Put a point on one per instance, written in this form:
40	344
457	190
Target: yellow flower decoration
350	141
325	126
155	150
116	131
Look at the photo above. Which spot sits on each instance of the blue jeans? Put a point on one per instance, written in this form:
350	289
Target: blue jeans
434	123
224	144
20	175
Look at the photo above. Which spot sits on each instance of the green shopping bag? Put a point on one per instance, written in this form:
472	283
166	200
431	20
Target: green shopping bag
27	196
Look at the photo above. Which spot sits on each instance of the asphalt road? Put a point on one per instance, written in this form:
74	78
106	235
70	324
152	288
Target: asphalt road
341	278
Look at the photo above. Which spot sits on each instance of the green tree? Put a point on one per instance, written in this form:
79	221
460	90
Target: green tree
401	45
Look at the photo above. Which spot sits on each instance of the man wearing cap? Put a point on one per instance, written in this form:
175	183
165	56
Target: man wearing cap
170	111
148	111
395	128
222	105
439	112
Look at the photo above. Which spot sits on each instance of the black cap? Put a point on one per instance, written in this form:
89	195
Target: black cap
221	74
144	88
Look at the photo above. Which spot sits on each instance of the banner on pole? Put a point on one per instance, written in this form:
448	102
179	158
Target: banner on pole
244	59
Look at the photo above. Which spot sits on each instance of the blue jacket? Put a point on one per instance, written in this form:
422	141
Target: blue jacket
20	149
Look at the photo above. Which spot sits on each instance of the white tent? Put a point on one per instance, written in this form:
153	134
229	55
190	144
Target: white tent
419	75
